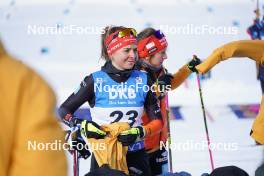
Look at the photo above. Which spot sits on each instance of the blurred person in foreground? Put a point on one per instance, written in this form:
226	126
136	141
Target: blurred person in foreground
27	116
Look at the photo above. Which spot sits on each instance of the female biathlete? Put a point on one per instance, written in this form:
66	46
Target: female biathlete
119	49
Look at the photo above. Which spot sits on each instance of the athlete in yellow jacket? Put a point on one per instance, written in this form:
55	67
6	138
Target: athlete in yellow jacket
27	114
253	49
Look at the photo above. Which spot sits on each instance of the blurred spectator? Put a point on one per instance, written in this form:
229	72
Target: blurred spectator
27	115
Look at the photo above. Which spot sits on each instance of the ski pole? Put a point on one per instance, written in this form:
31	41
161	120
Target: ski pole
169	136
205	122
76	162
71	134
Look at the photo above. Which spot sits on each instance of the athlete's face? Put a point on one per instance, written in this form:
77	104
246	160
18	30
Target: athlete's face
124	58
157	59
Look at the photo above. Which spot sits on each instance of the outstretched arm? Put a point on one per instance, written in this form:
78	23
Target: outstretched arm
253	49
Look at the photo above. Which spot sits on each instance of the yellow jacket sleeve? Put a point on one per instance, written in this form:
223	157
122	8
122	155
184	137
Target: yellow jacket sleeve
180	76
254	49
27	109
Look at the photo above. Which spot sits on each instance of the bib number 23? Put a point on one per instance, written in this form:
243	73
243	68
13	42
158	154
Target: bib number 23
131	115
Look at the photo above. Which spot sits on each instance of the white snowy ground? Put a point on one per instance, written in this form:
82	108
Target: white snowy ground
70	57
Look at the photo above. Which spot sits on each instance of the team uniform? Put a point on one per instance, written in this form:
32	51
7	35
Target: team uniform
158	157
113	97
147	47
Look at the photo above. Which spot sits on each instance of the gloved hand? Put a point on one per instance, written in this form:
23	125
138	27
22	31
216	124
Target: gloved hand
80	145
73	122
165	79
76	142
91	129
194	62
131	136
